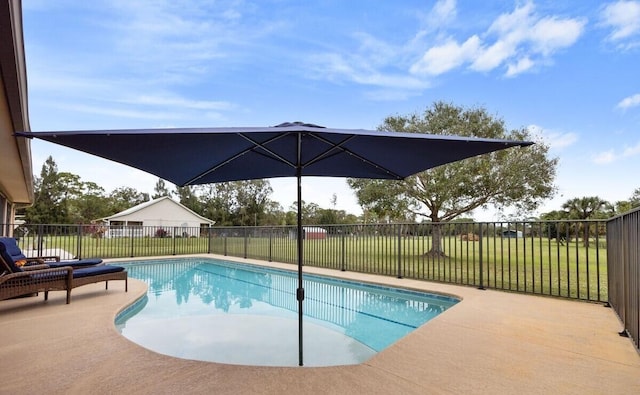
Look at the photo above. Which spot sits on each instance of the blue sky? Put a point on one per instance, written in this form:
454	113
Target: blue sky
568	70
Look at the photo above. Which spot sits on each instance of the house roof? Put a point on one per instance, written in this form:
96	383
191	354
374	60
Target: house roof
144	205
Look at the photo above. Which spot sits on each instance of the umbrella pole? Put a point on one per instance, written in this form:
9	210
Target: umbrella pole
300	290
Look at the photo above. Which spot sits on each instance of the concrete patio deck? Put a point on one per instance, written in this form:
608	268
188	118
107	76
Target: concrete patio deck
490	343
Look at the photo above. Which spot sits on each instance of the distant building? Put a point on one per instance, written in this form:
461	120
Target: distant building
162	217
310	233
512	234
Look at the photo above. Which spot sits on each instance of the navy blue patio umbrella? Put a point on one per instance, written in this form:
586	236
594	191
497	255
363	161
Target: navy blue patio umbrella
209	155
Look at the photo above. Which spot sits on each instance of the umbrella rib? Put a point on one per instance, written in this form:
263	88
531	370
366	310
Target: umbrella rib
334	149
339	147
326	154
262	145
239	154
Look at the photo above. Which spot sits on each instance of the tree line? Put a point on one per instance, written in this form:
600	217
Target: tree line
63	198
520	178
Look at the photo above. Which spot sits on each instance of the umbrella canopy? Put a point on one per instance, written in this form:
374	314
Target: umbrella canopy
209	155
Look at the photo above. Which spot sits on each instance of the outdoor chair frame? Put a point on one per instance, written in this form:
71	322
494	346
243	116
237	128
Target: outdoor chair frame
106	277
41	278
35	279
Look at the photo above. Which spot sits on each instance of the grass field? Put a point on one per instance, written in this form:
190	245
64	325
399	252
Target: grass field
530	264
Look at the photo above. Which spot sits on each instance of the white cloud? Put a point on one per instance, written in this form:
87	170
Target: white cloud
520	66
442	15
491	57
517	42
623	17
605	157
630	101
389	80
42	79
332	65
153	108
611	155
631	151
556	140
440	59
173	103
139	62
116	112
515	24
178	42
442	12
562	140
390	94
380	64
550	34
358	69
377	52
521	40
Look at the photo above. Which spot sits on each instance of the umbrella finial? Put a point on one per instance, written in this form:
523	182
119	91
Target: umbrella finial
298	123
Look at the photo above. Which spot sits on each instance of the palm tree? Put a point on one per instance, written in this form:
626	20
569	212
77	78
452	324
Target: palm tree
584	208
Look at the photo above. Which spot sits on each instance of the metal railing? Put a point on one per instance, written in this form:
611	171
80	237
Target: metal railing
623	256
556	258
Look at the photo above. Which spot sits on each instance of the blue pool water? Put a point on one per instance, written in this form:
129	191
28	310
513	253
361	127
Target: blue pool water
212	310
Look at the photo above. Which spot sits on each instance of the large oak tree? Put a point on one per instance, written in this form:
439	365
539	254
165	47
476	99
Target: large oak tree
518	177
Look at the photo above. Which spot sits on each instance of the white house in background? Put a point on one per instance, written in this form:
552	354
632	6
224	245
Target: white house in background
162	217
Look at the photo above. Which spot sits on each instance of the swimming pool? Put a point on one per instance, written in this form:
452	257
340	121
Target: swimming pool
213	310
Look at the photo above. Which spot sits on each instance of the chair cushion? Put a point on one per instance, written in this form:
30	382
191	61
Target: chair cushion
10	252
12	248
76	264
96	270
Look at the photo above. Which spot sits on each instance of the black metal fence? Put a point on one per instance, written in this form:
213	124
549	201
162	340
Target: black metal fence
623	255
556	258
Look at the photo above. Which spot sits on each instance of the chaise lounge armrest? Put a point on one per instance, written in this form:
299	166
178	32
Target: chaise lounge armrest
29	267
39	280
34	260
47	258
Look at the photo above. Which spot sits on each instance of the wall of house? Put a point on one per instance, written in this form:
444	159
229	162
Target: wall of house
165	214
16	180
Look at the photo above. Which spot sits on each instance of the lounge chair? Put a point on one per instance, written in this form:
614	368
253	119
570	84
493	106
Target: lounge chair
15	255
96	274
36	279
78	276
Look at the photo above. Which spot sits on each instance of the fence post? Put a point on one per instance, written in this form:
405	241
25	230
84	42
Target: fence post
399	251
225	243
343	252
246	242
480	239
271	244
40	240
173	235
131	235
209	240
79	251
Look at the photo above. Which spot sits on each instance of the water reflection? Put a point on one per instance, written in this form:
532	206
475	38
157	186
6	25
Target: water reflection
376	317
221	285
